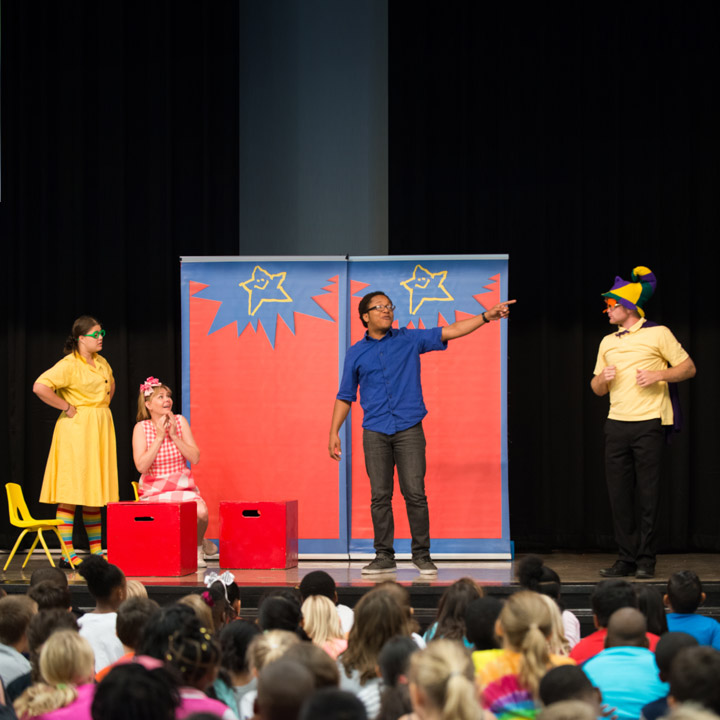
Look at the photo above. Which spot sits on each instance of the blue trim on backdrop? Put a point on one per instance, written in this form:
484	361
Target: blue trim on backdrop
185	341
344	482
505	496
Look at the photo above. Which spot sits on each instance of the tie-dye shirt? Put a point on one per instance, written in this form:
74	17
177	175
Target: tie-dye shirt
501	692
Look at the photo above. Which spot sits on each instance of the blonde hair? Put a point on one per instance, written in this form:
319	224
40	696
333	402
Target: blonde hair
201	609
321	619
269	646
142	412
135	589
66	660
527	624
557	641
445	674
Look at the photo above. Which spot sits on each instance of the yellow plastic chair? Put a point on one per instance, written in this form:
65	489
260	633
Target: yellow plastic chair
20	517
135	490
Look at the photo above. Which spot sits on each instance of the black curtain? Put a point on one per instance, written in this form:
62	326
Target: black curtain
119	156
582	139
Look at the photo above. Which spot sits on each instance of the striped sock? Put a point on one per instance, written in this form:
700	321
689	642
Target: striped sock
93	527
66	513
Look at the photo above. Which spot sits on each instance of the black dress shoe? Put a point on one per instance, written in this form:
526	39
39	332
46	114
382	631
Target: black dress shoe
65	565
645	572
621	568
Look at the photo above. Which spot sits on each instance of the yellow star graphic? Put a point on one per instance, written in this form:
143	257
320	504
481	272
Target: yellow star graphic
424	285
266	288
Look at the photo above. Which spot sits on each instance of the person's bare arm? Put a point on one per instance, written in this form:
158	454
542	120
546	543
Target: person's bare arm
340	412
48	396
600	384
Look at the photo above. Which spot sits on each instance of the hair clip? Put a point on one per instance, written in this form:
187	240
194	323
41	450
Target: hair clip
147	387
226	578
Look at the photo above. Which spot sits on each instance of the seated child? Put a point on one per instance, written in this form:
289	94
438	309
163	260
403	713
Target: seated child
684	596
106	584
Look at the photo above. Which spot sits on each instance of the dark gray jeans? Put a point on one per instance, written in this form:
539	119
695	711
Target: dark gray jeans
406	450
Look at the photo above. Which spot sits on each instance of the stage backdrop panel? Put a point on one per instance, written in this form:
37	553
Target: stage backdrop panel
264	340
464	391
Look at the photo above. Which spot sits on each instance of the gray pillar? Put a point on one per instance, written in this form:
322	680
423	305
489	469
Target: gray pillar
313	127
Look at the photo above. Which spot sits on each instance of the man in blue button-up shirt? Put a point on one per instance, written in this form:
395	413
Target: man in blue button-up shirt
385	364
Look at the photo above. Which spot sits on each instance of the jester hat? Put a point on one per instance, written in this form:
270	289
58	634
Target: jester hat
634	294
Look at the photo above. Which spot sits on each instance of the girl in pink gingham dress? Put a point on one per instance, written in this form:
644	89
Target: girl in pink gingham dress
163	444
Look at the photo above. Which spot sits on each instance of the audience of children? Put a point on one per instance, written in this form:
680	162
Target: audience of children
176	665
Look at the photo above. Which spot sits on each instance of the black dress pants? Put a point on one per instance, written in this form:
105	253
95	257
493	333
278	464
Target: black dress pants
633	453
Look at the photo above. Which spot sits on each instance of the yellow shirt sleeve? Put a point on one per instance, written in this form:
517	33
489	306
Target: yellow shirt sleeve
59	376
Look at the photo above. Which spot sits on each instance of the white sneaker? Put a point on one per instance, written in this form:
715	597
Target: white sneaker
201	557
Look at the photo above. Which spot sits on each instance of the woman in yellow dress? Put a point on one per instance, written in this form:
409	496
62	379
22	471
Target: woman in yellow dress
82	465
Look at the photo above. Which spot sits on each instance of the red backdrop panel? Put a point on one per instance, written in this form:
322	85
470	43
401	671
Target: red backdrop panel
260	414
462	391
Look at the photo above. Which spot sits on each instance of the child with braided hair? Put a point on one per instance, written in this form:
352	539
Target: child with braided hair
195	655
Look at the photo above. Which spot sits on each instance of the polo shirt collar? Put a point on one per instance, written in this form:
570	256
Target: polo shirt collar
632	328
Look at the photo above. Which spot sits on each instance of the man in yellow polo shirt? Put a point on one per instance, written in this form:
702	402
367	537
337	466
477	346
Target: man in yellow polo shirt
635	364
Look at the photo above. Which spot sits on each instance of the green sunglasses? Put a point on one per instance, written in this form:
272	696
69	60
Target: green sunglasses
96	334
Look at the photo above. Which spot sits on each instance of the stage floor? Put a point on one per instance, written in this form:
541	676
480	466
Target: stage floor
573	568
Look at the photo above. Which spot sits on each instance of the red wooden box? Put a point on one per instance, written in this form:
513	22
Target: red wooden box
147	538
259	535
